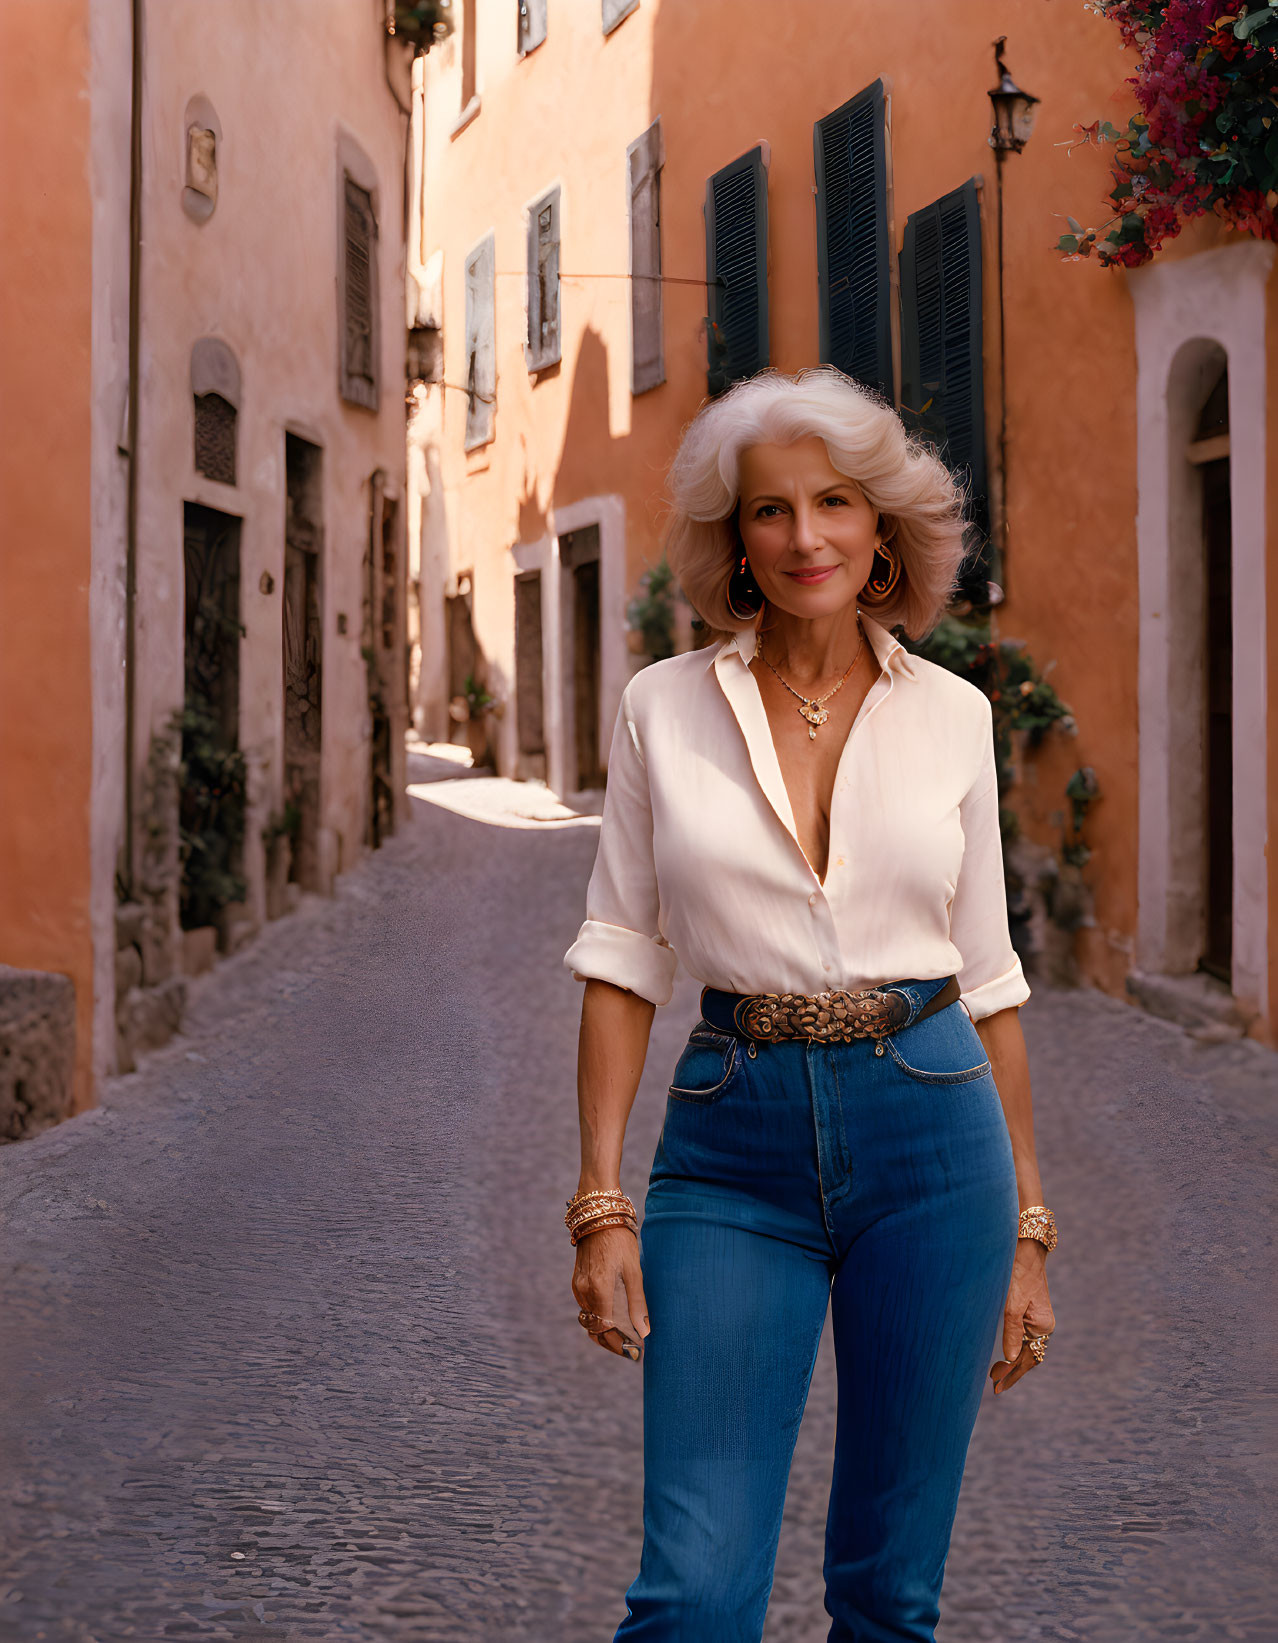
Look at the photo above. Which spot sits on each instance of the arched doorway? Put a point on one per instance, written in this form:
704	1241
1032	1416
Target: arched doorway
1209	452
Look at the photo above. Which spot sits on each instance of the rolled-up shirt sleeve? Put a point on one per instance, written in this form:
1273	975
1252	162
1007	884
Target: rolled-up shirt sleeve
990	976
620	940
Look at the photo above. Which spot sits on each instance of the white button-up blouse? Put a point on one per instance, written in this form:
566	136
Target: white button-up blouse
699	859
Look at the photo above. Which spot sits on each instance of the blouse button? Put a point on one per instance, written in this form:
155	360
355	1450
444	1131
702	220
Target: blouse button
812	901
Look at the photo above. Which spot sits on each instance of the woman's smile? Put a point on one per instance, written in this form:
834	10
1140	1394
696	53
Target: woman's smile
809	575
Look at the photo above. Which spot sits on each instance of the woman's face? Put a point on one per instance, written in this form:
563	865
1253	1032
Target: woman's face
808	531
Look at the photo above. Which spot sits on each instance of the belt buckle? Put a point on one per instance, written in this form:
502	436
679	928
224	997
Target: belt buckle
882	1016
869	1013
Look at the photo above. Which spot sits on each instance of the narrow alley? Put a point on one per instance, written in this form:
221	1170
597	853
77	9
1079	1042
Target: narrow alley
290	1351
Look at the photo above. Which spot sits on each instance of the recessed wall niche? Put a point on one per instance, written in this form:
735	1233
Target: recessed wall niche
201	151
215	387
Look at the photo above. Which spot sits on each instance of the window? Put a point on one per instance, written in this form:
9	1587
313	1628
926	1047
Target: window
532	24
736	214
359	298
853	251
643	162
481	356
616	11
942	388
542	347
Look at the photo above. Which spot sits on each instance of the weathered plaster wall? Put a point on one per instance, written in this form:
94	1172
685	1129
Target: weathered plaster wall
290	84
110	37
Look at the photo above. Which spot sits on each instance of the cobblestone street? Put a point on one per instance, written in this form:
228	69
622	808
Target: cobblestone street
290	1352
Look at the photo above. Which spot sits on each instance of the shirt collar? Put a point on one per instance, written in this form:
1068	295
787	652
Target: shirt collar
888	650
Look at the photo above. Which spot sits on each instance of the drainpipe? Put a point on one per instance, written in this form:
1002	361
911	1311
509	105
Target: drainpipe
131	513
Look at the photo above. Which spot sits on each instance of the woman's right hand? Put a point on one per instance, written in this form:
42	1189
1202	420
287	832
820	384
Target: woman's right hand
602	1258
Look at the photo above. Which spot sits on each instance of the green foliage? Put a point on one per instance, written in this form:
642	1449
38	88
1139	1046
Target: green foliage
651	612
213	800
1021	699
478	700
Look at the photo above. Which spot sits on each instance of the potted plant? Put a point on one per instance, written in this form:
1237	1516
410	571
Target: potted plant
479	704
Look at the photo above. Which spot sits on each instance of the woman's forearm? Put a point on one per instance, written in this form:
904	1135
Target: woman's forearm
611	1048
1004	1043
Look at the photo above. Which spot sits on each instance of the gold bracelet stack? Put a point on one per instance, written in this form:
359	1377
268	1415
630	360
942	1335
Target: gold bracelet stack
1038	1222
600	1207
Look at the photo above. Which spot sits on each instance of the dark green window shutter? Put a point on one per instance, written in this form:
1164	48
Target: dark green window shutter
853	250
737	270
942	389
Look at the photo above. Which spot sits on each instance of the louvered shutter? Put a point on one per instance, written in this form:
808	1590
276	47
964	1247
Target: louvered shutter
359	298
543	282
853	252
942	366
481	356
643	166
532	24
736	214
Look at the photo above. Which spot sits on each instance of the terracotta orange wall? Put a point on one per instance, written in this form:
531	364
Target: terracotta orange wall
45	710
566	114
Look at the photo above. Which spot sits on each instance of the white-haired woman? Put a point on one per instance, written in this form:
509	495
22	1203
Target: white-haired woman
806	814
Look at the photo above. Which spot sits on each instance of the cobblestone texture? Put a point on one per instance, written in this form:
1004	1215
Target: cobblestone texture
290	1353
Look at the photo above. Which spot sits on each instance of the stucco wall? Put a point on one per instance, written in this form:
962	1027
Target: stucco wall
46	751
290	84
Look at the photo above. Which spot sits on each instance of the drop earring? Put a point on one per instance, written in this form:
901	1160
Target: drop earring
744	599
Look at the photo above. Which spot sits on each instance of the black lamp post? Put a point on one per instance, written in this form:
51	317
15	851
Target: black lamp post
1014	112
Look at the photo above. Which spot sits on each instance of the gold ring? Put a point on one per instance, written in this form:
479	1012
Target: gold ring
1037	1345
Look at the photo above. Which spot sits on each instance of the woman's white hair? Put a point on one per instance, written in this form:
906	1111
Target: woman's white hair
920	502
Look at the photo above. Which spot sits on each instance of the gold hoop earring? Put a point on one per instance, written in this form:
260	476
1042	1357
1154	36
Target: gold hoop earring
878	588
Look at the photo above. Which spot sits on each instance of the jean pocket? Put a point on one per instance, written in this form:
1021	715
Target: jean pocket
935	1050
704	1070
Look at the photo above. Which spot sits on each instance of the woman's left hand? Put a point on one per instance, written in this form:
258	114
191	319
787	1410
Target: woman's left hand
1028	1312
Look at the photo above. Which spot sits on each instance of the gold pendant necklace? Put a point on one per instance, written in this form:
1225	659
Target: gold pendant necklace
811	706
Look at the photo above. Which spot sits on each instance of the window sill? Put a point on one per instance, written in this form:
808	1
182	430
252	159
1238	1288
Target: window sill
466	116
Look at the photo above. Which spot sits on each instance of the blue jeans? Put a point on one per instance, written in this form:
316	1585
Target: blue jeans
876	1179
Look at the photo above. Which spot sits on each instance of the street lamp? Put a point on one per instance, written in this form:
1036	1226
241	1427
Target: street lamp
1014	112
1014	109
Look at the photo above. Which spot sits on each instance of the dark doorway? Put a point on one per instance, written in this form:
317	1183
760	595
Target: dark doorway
213	792
466	672
529	695
303	656
385	658
579	556
1218	821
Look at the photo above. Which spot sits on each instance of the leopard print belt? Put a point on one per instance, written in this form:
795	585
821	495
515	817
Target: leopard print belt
834	1017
